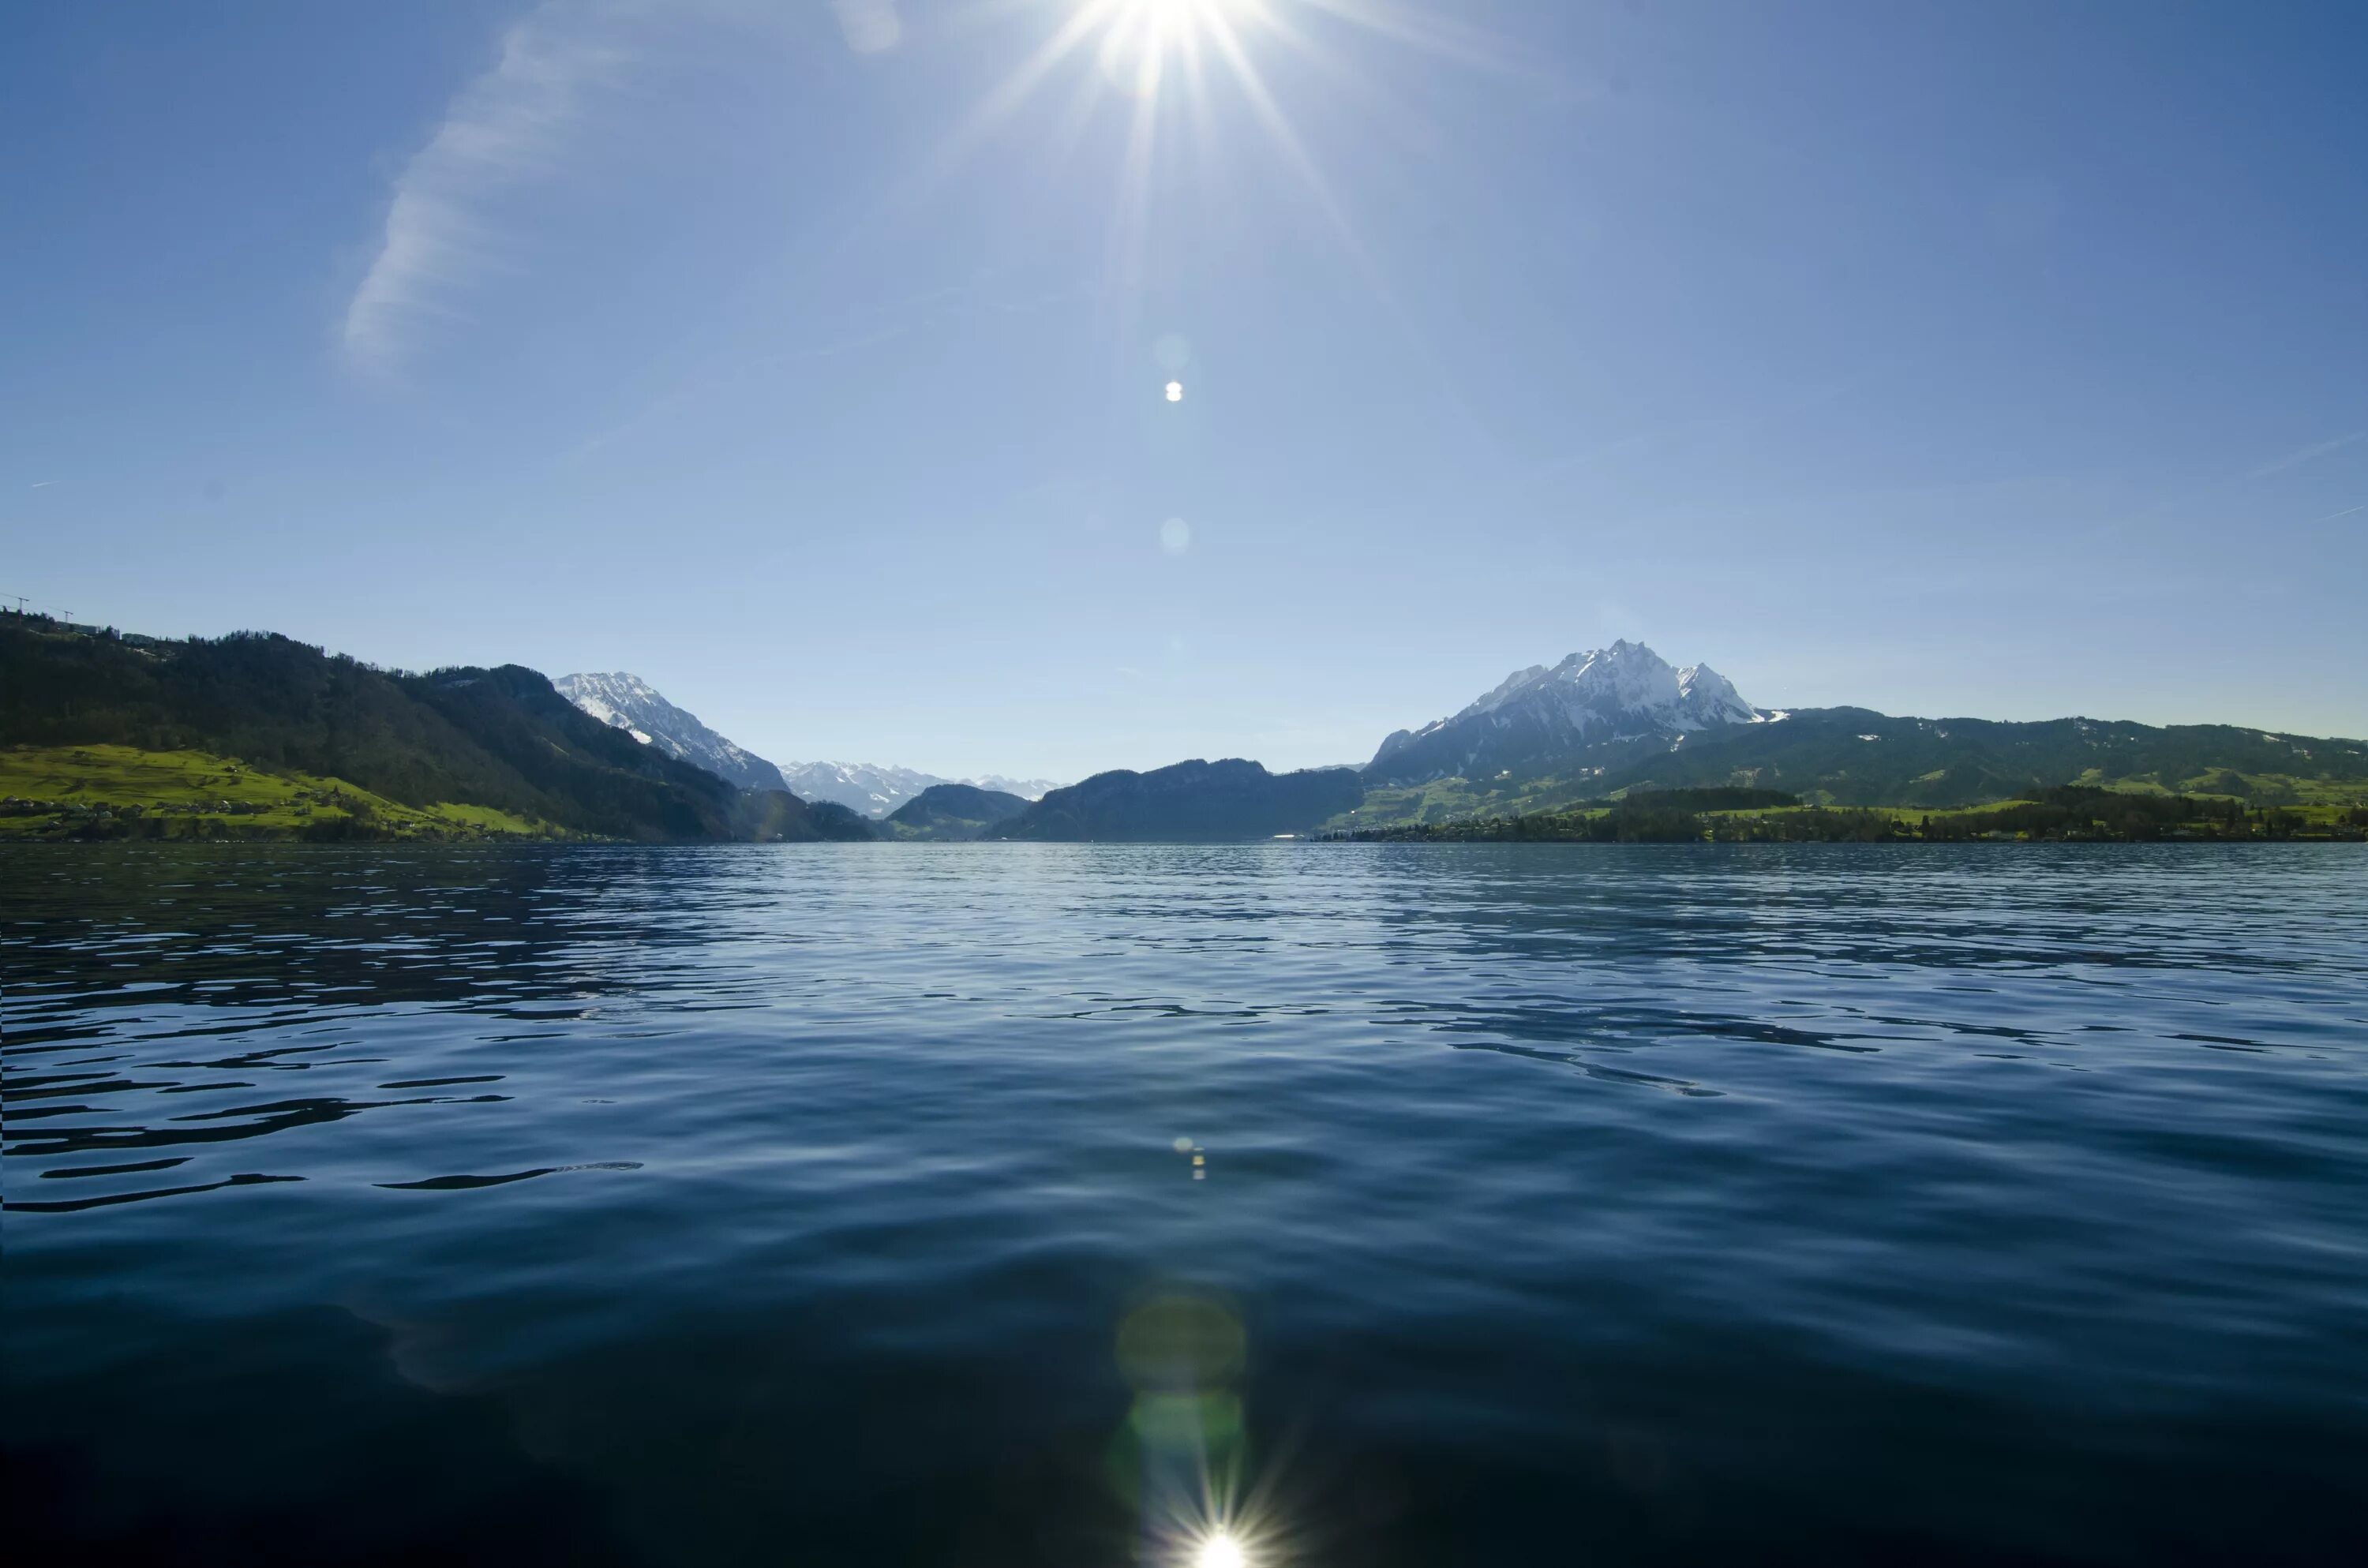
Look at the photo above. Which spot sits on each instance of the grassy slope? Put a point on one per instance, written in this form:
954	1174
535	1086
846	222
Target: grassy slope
939	830
1451	800
197	794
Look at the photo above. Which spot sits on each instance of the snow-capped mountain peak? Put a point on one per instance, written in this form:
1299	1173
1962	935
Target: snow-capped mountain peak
1536	716
634	706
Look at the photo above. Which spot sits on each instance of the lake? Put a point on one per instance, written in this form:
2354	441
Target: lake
1012	1204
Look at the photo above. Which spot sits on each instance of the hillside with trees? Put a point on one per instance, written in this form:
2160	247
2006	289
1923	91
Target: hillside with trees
952	814
1855	756
499	738
2070	813
1192	802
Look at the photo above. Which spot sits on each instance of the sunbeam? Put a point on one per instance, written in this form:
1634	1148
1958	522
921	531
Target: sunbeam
1157	54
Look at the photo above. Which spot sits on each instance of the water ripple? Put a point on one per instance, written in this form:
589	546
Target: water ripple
1651	1203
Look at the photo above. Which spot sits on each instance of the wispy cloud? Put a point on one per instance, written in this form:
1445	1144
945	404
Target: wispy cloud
508	126
2347	511
43	485
2308	454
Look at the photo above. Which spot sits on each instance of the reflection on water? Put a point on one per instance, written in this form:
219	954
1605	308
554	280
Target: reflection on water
1365	1204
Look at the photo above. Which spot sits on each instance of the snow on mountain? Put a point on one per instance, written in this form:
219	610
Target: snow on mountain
1708	697
1541	714
869	788
632	705
876	790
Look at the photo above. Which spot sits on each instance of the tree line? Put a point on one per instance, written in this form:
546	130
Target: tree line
2068	814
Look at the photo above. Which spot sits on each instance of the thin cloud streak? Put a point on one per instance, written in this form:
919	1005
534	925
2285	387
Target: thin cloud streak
2308	454
507	126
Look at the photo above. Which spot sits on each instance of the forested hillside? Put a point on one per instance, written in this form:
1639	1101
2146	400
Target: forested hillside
1854	757
500	738
952	814
1188	803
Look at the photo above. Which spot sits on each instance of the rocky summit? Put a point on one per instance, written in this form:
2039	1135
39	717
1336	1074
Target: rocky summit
1545	715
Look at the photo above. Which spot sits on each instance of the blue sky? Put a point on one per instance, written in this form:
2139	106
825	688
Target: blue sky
2002	359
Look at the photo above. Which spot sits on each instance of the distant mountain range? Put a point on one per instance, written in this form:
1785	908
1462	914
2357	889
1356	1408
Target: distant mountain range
103	734
876	790
632	704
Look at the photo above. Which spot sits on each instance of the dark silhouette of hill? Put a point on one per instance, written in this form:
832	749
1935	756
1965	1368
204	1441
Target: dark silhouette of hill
951	812
1187	803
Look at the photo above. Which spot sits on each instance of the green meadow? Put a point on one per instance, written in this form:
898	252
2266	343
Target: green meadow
113	791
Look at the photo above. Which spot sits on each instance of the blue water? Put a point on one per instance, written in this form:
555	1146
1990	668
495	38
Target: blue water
840	1205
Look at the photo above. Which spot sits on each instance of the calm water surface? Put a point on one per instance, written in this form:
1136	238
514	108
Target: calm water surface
964	1205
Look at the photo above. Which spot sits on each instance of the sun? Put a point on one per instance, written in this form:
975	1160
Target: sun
1139	38
1143	47
1220	1550
1183	66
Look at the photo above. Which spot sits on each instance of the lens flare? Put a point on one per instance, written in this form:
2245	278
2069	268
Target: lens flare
1221	1550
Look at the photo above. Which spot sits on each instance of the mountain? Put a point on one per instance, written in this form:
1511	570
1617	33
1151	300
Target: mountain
951	812
876	790
1623	719
461	743
629	703
1542	717
1189	803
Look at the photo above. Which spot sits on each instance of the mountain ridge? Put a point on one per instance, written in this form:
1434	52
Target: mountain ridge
502	751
